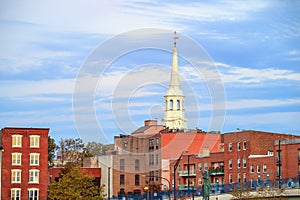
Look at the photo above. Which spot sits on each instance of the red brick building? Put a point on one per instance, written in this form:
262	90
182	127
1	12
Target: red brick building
250	157
24	167
54	174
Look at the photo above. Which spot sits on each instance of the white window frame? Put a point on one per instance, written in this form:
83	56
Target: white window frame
238	146
34	176
244	145
16	140
239	180
264	168
15	193
244	177
200	167
230	147
16	175
230	179
239	163
258	169
230	164
34	159
252	169
35	196
34	141
244	162
16	159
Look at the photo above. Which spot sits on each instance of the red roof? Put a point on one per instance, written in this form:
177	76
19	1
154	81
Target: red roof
173	144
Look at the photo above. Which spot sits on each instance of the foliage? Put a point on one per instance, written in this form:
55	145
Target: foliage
241	192
270	191
51	150
75	184
72	150
95	148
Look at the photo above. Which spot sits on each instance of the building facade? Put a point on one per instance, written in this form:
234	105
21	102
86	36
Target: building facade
249	157
24	169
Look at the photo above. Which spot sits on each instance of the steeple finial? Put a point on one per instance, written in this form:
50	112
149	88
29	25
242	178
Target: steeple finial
175	38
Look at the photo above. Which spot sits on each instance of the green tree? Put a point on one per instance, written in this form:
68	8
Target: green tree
51	150
72	151
75	184
95	148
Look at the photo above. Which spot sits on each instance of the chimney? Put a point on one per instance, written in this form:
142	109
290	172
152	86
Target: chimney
150	122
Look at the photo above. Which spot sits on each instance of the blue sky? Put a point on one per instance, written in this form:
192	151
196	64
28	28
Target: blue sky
254	45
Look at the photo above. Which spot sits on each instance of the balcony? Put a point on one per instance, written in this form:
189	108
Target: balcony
185	173
185	186
216	171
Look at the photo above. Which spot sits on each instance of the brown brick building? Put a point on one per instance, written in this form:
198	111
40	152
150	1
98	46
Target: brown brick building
24	167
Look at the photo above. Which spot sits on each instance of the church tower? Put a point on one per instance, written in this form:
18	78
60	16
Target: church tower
174	118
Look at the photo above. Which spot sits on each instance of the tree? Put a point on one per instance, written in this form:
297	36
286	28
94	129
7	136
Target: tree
72	150
51	150
75	184
95	148
241	192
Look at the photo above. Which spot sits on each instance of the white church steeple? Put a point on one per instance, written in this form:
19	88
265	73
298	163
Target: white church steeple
174	118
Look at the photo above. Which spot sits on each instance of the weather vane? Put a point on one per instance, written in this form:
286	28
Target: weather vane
175	38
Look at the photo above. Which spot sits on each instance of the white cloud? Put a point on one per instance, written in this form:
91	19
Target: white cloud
251	75
23	88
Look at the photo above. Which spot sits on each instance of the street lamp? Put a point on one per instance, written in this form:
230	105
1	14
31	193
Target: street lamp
160	178
174	171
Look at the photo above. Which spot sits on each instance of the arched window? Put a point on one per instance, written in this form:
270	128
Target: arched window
166	104
178	105
171	104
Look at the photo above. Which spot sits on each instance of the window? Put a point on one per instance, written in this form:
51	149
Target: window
244	163
157	143
34	158
156	175
239	163
16	140
34	141
151	144
258	169
205	166
151	178
265	168
245	177
151	159
230	178
239	177
15	194
137	179
157	159
178	105
230	147
122	179
171	104
16	158
16	176
200	166
252	182
33	176
239	146
33	194
230	164
251	169
137	165
199	181
244	145
122	164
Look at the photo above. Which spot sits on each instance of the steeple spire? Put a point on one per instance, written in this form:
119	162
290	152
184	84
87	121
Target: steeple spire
174	82
174	99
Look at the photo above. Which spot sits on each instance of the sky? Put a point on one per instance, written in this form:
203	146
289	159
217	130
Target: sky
96	69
